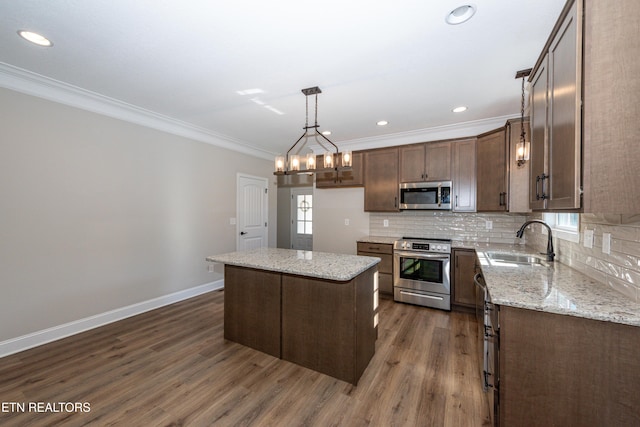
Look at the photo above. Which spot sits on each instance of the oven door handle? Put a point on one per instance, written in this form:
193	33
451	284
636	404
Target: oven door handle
434	257
413	294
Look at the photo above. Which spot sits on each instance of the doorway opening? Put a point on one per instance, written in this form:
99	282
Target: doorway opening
302	218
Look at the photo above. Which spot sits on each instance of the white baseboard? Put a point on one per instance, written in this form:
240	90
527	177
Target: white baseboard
25	342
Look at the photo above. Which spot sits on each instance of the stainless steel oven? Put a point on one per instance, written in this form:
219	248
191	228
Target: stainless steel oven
421	272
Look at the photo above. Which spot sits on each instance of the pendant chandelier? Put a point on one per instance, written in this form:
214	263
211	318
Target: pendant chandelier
523	146
332	159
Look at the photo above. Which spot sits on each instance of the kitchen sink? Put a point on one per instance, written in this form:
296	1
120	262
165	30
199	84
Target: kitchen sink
507	258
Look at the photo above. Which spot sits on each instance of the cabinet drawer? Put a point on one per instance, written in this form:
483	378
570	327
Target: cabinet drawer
379	248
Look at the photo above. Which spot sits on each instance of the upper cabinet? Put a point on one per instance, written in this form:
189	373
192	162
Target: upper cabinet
556	98
492	155
430	161
464	175
584	111
611	109
353	177
381	180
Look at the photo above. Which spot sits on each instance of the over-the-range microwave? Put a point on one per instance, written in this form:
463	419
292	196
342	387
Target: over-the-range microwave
425	195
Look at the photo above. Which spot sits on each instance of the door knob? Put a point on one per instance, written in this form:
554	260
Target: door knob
242	233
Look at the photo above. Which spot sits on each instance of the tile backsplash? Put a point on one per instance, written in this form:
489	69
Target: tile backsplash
620	269
468	227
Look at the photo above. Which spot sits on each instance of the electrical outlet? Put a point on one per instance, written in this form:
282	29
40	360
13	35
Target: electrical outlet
346	221
488	224
385	222
606	243
588	238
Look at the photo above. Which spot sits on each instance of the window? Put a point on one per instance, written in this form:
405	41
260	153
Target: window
304	216
565	226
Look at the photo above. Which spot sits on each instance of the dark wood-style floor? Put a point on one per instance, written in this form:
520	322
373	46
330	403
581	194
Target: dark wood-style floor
172	366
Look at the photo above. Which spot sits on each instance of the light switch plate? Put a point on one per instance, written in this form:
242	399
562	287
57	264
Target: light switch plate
346	221
606	243
588	238
232	221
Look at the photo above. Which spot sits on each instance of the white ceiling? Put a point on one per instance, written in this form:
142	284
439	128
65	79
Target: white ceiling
187	60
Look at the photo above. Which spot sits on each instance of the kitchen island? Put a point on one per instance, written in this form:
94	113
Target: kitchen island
314	309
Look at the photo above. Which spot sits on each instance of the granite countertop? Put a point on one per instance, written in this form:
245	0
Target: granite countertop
551	287
323	265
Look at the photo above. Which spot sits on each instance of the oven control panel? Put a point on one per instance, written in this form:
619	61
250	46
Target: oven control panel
424	246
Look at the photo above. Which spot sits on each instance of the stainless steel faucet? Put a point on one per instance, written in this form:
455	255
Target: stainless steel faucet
550	254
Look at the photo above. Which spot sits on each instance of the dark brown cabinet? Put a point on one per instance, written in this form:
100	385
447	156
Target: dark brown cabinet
381	180
463	288
567	371
492	171
464	175
353	177
556	107
384	251
430	161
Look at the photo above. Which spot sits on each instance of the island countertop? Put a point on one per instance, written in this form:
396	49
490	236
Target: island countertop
322	265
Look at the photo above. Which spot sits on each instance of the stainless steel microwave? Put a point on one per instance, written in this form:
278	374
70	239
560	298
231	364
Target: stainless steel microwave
425	195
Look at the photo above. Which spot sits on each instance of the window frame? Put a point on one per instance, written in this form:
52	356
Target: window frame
561	231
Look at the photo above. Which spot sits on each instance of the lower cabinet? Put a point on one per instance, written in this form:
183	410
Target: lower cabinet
384	251
567	371
462	286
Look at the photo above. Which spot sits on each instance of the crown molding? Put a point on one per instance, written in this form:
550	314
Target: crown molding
436	133
30	83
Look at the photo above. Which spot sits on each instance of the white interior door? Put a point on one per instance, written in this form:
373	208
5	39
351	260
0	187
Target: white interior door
252	212
302	218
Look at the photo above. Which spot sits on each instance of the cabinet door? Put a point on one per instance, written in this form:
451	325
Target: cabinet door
345	178
492	172
381	180
412	163
537	153
438	161
464	262
564	116
464	175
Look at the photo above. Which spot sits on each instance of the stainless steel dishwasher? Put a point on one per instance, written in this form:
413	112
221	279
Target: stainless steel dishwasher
487	316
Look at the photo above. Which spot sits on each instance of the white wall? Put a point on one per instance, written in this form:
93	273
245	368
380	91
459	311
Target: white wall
331	208
98	214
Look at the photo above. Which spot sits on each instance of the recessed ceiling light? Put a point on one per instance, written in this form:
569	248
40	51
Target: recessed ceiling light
459	109
382	123
326	132
35	38
461	14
